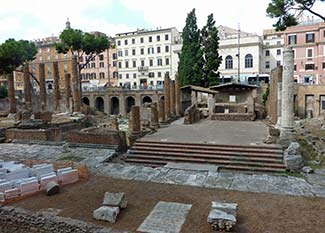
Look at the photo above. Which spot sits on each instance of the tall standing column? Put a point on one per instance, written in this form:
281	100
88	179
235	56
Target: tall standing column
56	86
162	115
41	70
67	91
27	89
75	85
172	98
167	96
287	114
177	96
154	115
11	94
135	117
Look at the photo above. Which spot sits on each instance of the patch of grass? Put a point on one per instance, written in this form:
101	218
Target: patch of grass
70	157
294	174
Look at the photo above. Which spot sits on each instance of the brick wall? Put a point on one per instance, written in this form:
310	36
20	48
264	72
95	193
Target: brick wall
52	134
233	117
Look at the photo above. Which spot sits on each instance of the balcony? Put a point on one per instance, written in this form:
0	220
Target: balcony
143	68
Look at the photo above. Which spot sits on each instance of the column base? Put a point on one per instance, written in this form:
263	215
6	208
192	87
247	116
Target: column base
287	135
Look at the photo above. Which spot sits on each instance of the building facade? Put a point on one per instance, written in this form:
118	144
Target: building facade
143	57
241	55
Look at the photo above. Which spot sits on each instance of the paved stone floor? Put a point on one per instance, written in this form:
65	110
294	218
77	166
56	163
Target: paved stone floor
309	185
166	217
218	132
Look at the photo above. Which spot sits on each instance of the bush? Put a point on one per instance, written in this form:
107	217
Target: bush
3	92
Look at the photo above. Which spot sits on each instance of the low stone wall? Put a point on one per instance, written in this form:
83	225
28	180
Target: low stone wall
22	221
51	134
192	114
233	117
113	138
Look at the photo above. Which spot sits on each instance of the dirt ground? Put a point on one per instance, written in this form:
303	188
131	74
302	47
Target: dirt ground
260	213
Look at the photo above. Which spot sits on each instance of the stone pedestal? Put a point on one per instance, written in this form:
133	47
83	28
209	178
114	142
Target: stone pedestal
41	70
287	105
154	116
172	99
56	86
135	118
75	85
11	94
67	91
167	96
162	115
27	89
177	96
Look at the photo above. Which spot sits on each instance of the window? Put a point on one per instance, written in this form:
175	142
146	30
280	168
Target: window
101	64
126	52
87	76
278	52
292	39
158	49
133	41
82	76
93	65
40	58
93	75
101	57
151	74
114	56
119	42
127	76
133	52
125	42
114	63
167	61
166	37
120	53
134	63
310	66
267	43
249	61
115	74
48	49
48	57
295	67
150	62
101	75
158	38
141	40
278	63
150	38
119	64
267	65
267	53
142	62
159	62
310	37
323	65
159	74
309	53
142	51
167	49
278	42
134	75
126	64
120	76
150	50
228	62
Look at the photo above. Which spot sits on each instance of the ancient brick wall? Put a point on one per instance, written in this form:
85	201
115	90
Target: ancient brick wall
233	117
52	134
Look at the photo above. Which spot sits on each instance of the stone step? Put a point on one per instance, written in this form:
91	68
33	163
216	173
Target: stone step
212	152
216	155
203	146
216	161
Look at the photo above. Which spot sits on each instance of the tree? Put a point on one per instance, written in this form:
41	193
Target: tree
3	92
287	11
210	47
80	43
190	58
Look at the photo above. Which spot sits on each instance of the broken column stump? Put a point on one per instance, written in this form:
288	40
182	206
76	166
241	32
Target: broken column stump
52	188
222	216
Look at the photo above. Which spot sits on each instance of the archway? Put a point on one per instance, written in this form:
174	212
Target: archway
99	104
85	101
130	101
115	106
146	99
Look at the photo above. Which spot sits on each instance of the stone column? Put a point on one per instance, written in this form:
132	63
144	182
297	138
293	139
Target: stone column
211	104
27	89
67	91
172	98
75	85
11	94
56	86
154	116
287	114
167	96
41	71
135	117
162	115
177	96
193	97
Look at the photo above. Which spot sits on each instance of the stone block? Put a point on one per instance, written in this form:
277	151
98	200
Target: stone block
28	187
115	199
2	197
46	179
69	177
11	193
43	169
229	208
293	162
5	185
293	149
106	213
52	188
18	174
307	170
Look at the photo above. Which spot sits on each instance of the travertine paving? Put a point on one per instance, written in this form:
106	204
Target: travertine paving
166	217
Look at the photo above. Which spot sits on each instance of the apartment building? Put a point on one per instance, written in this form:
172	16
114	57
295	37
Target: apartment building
273	44
144	56
241	55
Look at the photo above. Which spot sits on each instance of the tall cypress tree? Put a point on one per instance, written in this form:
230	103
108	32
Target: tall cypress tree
190	59
211	57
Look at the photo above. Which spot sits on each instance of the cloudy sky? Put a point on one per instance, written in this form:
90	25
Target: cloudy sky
33	19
